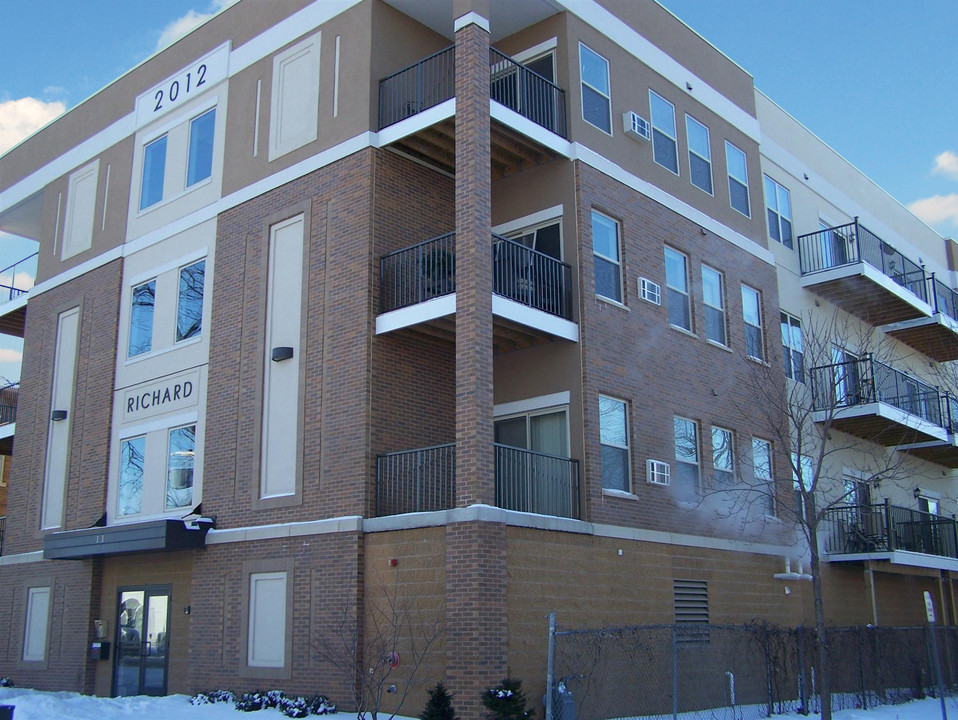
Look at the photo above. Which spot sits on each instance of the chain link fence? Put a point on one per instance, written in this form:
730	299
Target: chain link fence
742	672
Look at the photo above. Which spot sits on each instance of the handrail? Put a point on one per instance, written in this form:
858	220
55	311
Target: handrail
10	291
526	92
417	87
530	481
883	527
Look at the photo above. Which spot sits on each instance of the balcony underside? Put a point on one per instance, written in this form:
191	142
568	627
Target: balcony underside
903	558
13	317
884	424
511	151
935	336
865	292
944	454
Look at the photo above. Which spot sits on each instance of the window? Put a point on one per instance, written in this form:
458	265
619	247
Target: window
132	455
802	482
154	173
737	179
605	246
266	645
779	207
686	475
677	284
596	95
762	469
179	473
141	318
691	600
294	104
36	624
928	504
189	304
723	451
792	348
700	154
664	148
614	439
199	164
713	296
845	377
752	312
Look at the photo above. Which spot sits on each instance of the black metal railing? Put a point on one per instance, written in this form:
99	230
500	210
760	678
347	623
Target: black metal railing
428	270
853	243
420	86
865	380
537	483
526	92
11	286
8	403
420	480
3	527
883	527
949	412
418	273
945	299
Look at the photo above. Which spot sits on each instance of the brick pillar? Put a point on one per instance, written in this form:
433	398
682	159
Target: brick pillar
475	482
475	551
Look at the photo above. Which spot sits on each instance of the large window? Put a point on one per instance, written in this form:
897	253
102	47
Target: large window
677	283
130	493
664	147
762	469
752	312
792	348
179	472
737	179
713	296
199	165
157	472
686	475
605	246
596	94
141	318
700	154
157	297
614	439
779	209
189	303
723	455
154	173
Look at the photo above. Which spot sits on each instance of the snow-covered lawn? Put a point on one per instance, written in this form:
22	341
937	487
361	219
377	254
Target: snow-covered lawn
36	705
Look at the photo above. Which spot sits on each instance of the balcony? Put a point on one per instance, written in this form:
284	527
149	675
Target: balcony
890	531
15	282
935	336
532	291
424	480
8	417
942	453
3	527
871	400
516	140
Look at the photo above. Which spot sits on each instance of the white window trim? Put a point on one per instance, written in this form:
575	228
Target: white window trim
617	263
769	481
627	447
728	173
760	326
582	82
698	449
789	349
706	303
674	137
708	160
542	217
688	288
731	438
541	402
536	50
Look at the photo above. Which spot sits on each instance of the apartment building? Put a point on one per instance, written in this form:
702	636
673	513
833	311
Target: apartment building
343	302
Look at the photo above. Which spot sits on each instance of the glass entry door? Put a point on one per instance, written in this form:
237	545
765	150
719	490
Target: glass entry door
142	641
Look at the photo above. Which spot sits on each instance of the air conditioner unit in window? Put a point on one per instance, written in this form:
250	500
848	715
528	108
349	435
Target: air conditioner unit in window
658	472
650	291
635	126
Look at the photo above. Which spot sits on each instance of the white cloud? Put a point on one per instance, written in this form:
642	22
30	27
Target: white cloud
182	25
11	356
23	117
23	280
946	164
937	208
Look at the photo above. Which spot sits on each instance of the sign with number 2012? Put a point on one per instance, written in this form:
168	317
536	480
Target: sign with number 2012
185	85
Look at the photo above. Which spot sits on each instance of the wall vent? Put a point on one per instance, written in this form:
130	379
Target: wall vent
658	472
635	126
650	291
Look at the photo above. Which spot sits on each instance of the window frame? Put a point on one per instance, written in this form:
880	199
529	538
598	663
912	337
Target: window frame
617	262
749	325
765	476
790	325
169	470
583	84
152	317
198	334
729	146
673	138
37	586
143	205
190	157
718	309
772	188
622	447
682	462
707	160
685	293
724	475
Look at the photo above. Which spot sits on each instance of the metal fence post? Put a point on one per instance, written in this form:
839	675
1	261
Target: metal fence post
768	669
675	672
861	663
802	695
550	666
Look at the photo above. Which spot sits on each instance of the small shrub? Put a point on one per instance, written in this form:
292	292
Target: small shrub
506	701
6	682
439	705
212	697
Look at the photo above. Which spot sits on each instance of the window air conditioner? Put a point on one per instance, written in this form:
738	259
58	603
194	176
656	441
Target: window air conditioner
650	291
635	126
658	472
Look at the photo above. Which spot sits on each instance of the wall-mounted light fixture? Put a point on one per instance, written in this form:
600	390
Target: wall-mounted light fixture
282	353
58	415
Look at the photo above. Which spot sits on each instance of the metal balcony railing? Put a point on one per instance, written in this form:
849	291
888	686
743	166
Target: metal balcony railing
882	527
526	92
945	299
865	380
424	480
420	86
537	483
428	270
853	243
8	403
3	527
17	279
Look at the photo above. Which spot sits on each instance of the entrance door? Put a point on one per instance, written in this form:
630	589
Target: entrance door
142	641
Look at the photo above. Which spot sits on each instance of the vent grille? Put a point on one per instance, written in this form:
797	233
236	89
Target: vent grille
635	126
658	472
691	598
650	291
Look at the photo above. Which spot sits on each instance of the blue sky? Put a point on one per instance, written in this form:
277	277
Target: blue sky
875	79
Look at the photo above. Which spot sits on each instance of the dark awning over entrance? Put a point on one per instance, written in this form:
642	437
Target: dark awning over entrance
152	536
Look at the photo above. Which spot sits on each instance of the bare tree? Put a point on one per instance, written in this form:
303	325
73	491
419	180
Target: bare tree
397	631
805	418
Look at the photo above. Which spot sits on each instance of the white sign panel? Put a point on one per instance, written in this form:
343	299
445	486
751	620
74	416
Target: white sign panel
929	607
185	85
173	393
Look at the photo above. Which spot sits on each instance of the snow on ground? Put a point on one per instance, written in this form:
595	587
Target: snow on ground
36	705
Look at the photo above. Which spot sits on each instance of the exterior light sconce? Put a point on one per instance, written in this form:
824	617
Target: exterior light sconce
58	415
282	353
